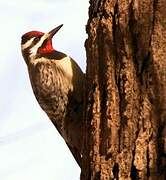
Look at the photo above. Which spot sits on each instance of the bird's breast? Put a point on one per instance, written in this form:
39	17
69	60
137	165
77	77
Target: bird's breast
49	77
51	87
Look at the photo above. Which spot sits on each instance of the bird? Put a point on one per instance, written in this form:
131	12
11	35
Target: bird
58	85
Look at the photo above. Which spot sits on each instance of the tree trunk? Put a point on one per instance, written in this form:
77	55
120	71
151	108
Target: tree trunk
125	109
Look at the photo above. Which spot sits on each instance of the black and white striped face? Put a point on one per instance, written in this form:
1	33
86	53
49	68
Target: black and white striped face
35	42
31	42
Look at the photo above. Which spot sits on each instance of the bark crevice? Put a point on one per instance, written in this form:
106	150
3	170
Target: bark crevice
125	113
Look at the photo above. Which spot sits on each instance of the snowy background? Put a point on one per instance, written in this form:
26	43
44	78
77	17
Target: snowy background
30	147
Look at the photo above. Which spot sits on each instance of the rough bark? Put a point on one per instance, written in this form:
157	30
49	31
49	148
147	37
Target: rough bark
125	131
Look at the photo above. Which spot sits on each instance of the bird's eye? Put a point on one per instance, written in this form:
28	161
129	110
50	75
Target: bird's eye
36	39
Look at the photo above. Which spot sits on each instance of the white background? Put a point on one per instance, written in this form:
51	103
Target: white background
30	147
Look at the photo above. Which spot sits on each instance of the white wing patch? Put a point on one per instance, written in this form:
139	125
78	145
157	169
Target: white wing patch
66	65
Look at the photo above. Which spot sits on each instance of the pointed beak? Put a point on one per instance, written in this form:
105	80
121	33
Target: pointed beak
50	34
54	31
46	36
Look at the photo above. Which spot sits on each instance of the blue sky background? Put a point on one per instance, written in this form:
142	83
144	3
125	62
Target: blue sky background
30	147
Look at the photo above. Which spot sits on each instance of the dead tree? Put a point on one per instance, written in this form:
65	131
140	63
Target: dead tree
125	109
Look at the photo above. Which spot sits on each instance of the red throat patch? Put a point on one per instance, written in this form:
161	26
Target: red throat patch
46	47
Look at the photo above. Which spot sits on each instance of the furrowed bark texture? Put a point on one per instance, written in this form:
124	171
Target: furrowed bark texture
125	132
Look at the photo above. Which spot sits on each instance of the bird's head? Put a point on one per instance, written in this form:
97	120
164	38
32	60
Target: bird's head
35	43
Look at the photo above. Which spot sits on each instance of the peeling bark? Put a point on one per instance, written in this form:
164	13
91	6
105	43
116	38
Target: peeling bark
125	109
